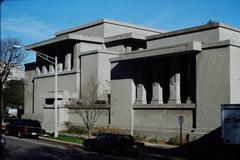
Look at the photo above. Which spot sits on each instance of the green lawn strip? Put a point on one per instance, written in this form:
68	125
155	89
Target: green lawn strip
68	139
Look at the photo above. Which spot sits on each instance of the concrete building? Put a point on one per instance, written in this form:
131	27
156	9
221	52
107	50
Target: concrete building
154	76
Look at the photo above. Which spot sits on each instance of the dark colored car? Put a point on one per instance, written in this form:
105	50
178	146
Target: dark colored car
116	143
5	121
24	127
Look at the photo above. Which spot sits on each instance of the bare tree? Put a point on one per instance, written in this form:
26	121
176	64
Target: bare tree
10	58
93	99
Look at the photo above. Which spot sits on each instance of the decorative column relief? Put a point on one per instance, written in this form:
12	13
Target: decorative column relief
175	90
76	53
44	70
60	67
128	49
51	69
141	95
67	62
156	94
38	71
189	101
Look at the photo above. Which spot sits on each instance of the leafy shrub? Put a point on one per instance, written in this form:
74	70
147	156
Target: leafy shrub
174	140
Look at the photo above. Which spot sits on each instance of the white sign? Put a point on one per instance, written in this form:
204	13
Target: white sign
231	123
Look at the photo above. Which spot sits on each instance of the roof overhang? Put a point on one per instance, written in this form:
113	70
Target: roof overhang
66	37
190	47
124	37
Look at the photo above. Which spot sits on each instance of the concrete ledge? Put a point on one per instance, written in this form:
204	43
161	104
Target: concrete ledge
164	106
52	74
98	51
189	47
221	44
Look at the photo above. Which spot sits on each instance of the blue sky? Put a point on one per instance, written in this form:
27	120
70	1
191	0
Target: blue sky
35	20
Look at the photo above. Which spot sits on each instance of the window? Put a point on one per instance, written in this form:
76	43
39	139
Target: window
49	101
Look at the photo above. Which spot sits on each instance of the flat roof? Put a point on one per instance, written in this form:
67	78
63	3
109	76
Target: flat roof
209	25
71	36
101	21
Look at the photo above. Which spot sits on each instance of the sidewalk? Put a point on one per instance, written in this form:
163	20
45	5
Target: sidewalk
152	145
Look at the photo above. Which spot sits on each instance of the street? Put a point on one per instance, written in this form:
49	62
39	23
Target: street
37	149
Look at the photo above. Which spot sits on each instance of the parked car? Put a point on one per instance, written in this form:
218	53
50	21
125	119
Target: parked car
24	127
5	122
116	143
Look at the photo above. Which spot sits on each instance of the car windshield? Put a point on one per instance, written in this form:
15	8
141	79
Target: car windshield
101	137
128	138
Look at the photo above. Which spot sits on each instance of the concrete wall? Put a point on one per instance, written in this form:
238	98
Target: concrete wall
97	30
76	119
213	89
159	119
225	34
113	29
202	36
85	46
104	70
89	68
44	88
123	95
118	48
234	74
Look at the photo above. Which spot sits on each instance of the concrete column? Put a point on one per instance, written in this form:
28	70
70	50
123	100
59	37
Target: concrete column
59	67
188	101
51	69
128	48
175	89
156	94
67	62
44	70
76	53
141	95
38	71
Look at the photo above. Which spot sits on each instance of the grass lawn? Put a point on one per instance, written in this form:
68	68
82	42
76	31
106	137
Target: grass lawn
67	139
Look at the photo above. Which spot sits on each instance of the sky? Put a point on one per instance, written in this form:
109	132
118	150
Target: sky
36	20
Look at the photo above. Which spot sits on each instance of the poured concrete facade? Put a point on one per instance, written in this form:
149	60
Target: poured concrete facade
153	77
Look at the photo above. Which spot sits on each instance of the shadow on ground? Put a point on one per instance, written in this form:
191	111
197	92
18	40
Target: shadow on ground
209	146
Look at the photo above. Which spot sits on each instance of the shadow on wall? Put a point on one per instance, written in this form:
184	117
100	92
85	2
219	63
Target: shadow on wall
209	146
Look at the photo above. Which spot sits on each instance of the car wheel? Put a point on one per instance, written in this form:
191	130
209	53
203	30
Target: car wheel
20	135
36	137
7	132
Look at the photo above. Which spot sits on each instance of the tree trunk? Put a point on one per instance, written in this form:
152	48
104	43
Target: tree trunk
1	100
89	133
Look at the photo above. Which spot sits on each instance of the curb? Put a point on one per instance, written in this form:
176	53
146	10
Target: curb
63	142
164	146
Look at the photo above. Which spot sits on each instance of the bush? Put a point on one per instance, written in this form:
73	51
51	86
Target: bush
77	130
174	140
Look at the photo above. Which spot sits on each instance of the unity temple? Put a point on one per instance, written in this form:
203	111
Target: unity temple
153	76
